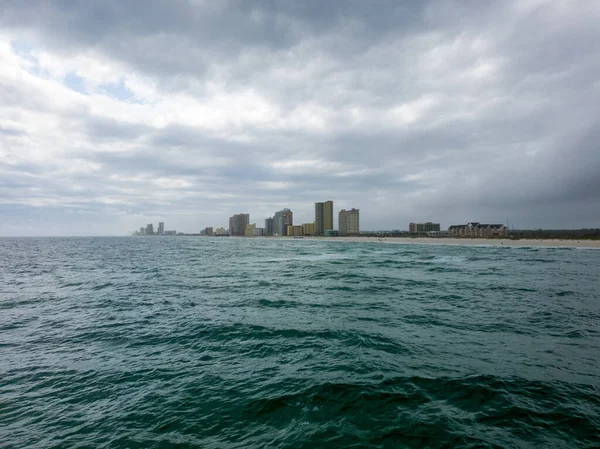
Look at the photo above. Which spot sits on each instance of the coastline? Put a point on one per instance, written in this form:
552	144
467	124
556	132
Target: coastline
545	243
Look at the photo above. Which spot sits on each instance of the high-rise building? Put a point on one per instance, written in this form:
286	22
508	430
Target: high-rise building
237	228
278	224
238	224
319	225
288	218
281	220
244	221
269	226
328	215
323	217
349	222
142	230
150	229
161	228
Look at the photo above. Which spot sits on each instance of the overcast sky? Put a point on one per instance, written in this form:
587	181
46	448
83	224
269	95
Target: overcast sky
114	114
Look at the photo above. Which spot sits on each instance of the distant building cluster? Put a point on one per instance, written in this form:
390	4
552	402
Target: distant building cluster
471	229
282	224
149	230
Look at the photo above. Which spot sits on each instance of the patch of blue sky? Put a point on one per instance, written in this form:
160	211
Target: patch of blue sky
118	91
21	47
25	51
75	82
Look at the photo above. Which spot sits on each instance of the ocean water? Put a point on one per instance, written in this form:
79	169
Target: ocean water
263	343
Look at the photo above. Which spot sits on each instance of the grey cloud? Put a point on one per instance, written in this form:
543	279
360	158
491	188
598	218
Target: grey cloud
110	129
222	24
12	132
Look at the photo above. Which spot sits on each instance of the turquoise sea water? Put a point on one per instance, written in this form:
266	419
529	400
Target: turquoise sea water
265	343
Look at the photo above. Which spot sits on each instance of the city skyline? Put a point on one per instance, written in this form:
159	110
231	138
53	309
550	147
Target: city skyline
186	112
280	224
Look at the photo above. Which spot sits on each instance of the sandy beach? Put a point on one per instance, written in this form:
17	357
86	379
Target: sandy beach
550	243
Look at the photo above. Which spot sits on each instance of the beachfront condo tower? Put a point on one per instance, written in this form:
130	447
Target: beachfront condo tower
323	217
349	222
281	220
238	224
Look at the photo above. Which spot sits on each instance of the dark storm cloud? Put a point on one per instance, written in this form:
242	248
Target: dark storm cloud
440	110
225	24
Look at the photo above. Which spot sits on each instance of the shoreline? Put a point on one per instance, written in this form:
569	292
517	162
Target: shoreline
540	243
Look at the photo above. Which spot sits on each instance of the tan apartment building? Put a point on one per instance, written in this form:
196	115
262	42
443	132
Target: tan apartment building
349	222
294	230
308	228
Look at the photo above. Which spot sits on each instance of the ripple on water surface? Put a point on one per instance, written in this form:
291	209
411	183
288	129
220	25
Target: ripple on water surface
252	343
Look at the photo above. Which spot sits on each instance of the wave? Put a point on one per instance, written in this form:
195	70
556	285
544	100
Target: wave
439	412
